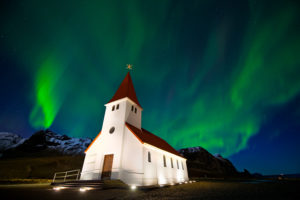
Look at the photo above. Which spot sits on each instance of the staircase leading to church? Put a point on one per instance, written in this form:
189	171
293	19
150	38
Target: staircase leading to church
91	184
70	179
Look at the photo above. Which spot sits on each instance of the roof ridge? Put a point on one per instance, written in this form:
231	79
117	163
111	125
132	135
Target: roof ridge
145	136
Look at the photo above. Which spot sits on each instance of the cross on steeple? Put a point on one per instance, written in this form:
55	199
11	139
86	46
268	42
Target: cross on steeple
129	66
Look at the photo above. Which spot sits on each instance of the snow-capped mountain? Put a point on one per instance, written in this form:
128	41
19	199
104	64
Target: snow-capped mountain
9	140
45	142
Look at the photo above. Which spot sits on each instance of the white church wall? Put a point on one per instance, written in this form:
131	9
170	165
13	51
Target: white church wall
156	173
132	117
150	174
107	143
132	159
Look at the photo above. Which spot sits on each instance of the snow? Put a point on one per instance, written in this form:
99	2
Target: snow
9	140
62	143
65	144
191	149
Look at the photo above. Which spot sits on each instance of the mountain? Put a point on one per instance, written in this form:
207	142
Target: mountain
9	140
203	164
47	143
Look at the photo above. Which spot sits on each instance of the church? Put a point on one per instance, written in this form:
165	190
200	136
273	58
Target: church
124	150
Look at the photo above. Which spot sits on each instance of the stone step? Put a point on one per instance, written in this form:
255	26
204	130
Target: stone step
79	183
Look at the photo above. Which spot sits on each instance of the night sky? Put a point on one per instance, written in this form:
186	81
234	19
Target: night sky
224	75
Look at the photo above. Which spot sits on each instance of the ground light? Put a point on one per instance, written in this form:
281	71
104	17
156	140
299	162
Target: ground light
133	187
83	189
58	188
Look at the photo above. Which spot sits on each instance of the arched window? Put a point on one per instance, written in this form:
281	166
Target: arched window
165	164
118	107
149	156
182	165
171	162
135	110
177	164
113	108
131	108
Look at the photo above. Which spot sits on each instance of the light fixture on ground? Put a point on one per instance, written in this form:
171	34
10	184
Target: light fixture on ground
133	187
58	188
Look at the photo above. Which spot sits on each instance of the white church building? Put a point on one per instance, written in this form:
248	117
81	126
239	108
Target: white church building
124	150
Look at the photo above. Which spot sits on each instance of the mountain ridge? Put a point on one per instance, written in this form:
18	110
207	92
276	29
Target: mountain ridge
46	143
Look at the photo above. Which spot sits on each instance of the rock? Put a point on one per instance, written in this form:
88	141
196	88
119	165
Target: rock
203	164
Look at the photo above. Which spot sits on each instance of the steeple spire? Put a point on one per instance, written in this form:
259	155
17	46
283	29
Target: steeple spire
126	89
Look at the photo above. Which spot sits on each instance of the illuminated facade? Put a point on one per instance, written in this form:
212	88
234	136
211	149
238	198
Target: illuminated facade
124	150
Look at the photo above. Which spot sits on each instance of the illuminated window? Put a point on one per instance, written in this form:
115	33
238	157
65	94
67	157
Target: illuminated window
131	108
165	164
171	162
149	156
177	164
182	165
135	110
118	107
113	108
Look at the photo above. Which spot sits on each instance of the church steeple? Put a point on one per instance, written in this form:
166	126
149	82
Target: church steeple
126	89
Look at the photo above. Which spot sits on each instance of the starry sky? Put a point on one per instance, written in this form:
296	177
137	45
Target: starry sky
224	75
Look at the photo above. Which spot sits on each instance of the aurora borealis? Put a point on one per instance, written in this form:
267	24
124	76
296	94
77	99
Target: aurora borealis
224	75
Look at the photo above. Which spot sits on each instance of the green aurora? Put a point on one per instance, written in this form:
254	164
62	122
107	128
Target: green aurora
207	73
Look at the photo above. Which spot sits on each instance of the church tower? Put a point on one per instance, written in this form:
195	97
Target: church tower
122	108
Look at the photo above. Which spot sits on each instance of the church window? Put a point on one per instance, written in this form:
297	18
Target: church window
135	110
111	130
118	107
171	162
131	108
149	156
113	108
165	164
182	165
177	164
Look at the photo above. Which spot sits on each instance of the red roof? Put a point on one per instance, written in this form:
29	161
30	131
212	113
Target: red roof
145	136
126	89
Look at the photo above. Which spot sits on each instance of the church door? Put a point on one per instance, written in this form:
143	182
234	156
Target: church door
107	166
